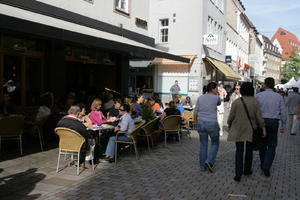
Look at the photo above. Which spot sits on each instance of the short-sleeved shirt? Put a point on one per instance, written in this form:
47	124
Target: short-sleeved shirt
206	107
175	89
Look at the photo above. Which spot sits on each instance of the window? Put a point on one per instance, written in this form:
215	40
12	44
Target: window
164	30
122	5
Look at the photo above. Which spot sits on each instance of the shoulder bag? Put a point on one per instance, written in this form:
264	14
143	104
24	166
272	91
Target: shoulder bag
257	139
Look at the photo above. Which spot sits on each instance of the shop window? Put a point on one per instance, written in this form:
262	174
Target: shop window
164	31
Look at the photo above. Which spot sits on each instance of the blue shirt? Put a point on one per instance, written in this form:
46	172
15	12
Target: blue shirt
180	108
272	105
126	123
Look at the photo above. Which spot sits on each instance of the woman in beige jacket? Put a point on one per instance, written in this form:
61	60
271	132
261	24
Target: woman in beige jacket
240	130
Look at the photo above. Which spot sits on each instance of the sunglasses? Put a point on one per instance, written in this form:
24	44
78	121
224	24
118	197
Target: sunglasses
121	110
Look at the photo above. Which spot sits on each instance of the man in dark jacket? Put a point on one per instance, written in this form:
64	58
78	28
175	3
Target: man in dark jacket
72	121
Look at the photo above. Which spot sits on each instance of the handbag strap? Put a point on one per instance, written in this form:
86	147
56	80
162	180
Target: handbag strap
246	109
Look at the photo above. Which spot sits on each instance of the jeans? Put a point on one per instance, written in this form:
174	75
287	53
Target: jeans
206	129
267	152
110	148
239	158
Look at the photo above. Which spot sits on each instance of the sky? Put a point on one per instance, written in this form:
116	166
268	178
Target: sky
269	15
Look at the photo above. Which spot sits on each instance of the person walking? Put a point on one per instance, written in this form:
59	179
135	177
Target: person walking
221	108
240	129
273	110
206	117
174	90
292	103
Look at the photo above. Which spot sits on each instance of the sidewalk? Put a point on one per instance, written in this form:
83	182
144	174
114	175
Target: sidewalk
169	172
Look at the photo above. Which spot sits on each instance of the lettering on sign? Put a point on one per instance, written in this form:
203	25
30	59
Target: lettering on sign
210	39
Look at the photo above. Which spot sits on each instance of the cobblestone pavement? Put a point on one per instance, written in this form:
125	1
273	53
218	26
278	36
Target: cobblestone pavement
167	172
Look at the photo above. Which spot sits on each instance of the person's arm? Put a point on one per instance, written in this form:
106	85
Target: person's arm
260	120
124	123
232	114
163	115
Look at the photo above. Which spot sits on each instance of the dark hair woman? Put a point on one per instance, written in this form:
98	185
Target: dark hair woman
240	130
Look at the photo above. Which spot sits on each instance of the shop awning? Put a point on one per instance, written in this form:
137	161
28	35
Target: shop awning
165	61
25	21
223	68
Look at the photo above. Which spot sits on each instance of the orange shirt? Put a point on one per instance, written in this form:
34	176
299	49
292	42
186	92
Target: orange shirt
156	107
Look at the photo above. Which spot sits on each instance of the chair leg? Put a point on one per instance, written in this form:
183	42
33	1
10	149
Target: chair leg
78	156
93	165
58	161
136	152
20	138
178	135
165	138
148	143
40	136
116	152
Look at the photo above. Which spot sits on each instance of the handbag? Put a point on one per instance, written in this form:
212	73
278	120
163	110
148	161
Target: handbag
257	140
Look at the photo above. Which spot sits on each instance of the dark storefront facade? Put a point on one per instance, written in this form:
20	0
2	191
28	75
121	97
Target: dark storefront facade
40	56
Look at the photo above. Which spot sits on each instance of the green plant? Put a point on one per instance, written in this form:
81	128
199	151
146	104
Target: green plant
147	112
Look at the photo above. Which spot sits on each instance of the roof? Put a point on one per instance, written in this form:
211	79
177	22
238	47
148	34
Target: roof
270	47
288	42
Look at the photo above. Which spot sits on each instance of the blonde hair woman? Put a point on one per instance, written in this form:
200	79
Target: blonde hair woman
96	116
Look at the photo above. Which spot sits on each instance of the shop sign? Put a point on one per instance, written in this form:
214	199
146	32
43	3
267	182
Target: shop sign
210	39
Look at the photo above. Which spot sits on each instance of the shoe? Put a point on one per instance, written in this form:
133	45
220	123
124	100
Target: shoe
237	178
266	172
293	134
107	160
247	173
209	167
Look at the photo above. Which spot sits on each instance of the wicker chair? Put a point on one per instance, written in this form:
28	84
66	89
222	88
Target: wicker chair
37	126
147	131
133	135
188	120
11	127
171	124
70	143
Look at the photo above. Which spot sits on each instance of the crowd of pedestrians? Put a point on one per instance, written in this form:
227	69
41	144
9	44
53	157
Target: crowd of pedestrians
250	109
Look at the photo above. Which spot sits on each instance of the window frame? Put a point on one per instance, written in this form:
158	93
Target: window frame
118	6
164	27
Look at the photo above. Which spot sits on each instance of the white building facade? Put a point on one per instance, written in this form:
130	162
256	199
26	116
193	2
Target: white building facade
179	28
237	38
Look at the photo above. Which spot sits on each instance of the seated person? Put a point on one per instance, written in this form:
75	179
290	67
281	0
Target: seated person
179	106
82	115
114	114
171	110
187	102
96	116
114	111
126	125
137	105
72	121
155	106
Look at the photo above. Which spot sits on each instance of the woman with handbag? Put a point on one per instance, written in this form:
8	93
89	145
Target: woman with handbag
245	117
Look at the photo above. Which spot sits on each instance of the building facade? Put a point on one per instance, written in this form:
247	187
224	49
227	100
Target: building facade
62	46
183	28
286	41
238	30
272	60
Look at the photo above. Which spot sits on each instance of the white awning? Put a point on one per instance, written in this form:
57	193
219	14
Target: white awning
134	47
